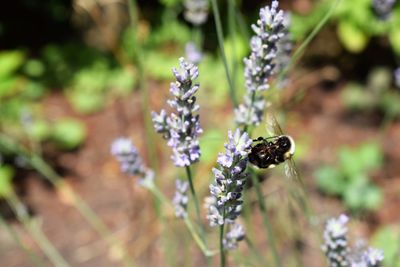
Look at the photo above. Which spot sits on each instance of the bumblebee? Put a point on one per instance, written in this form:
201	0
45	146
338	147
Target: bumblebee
268	154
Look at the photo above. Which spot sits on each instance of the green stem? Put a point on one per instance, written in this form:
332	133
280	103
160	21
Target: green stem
197	37
34	229
221	241
266	221
220	36
193	192
35	259
243	26
164	200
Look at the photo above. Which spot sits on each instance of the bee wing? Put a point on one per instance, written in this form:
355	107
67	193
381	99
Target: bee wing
291	171
273	126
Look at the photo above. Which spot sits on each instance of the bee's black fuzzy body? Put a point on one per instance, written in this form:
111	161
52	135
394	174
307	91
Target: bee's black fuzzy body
267	154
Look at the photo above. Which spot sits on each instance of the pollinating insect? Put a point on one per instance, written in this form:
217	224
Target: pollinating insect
271	151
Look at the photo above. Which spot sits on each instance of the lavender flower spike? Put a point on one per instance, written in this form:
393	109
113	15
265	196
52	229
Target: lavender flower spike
259	66
335	246
181	199
130	161
225	203
182	128
261	63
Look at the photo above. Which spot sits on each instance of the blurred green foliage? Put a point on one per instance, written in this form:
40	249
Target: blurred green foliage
22	85
377	95
356	24
349	179
387	238
68	133
6	175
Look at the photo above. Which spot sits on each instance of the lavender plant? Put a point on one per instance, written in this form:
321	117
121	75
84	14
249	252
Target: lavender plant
182	128
230	178
225	203
131	164
338	252
260	65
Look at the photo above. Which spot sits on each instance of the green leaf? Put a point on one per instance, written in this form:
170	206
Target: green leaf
355	97
387	238
349	162
6	176
352	37
86	102
394	38
361	195
34	90
330	180
39	130
34	68
372	197
389	103
10	61
158	65
353	195
122	81
69	133
8	86
379	80
371	156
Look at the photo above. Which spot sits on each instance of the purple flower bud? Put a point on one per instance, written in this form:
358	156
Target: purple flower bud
192	53
130	161
233	236
181	199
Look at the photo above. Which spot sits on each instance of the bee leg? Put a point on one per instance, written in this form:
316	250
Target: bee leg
258	139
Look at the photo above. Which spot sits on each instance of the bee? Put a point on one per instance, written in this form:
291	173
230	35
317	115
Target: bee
268	154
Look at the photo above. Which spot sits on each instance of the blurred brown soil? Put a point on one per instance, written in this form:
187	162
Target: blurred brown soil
317	119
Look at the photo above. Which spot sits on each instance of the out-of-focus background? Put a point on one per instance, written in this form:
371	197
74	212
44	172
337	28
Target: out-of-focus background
75	75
